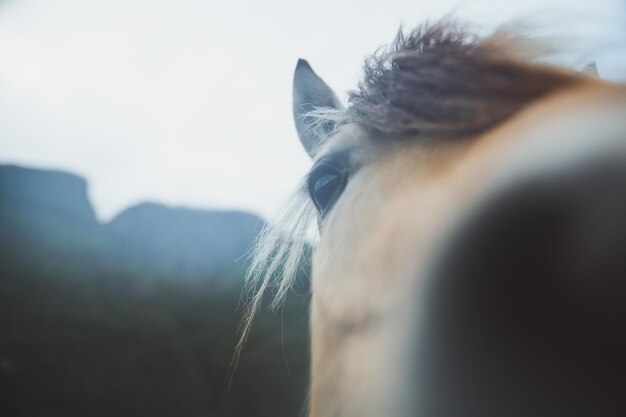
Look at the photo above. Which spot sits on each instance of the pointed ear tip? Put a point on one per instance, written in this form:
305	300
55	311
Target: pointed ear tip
303	64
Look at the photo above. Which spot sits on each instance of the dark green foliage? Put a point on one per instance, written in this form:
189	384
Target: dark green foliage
95	322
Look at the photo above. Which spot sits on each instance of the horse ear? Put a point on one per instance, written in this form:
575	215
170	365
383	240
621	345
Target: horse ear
311	92
591	69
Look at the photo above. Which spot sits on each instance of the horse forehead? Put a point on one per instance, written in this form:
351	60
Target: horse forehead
351	138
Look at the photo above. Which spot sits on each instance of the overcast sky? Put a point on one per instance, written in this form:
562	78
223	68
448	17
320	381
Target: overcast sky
188	102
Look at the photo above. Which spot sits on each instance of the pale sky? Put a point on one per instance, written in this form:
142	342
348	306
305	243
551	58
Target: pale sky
188	102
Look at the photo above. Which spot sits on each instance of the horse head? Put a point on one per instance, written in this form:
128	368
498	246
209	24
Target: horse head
471	204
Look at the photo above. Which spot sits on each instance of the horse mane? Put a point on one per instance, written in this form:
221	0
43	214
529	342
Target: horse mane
276	258
436	80
442	80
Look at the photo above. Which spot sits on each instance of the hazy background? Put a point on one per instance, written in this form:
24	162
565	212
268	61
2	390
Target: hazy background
189	102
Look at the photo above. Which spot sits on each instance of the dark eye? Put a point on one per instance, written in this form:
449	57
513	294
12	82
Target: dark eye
326	183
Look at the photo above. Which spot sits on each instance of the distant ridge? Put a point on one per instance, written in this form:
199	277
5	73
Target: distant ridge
52	208
55	193
187	241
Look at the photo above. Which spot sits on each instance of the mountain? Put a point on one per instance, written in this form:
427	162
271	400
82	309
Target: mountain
52	208
138	316
57	195
46	206
184	241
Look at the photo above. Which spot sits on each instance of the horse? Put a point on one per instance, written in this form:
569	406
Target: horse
470	204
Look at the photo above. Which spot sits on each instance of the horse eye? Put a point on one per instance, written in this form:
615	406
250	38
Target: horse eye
325	186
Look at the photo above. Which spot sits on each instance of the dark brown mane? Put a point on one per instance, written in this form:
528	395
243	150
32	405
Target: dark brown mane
441	80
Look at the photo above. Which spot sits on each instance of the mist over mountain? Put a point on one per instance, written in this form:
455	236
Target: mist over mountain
185	241
55	194
53	207
47	206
